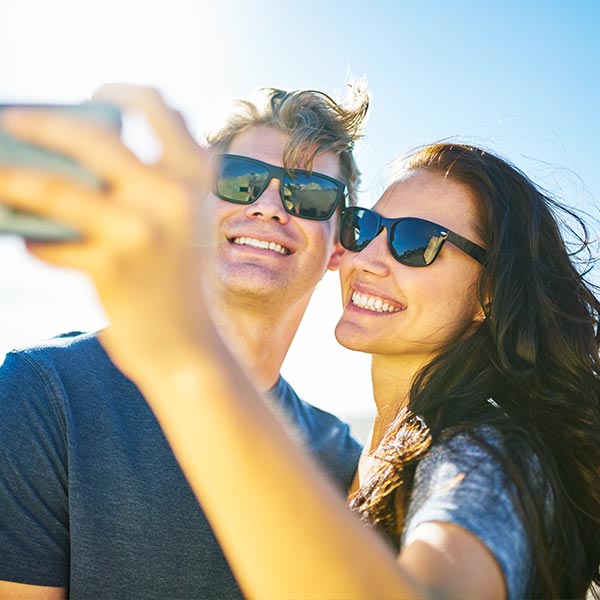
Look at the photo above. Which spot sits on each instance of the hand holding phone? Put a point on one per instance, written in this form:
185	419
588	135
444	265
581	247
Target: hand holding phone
145	235
15	152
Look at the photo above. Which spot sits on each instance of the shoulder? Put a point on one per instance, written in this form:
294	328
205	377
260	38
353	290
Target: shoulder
304	415
468	455
57	374
468	467
62	346
326	436
477	457
69	353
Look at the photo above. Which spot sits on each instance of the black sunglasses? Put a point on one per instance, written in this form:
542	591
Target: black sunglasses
412	242
305	194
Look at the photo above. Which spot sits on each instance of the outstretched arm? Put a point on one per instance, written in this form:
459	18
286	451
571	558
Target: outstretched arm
286	531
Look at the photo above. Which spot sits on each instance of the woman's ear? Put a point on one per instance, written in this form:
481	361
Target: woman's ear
484	310
485	299
480	316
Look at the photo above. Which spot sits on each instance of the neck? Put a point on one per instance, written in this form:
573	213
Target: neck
258	334
392	378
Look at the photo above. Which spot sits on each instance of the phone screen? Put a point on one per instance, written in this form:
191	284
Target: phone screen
14	152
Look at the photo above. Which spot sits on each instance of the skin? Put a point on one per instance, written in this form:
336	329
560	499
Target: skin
252	479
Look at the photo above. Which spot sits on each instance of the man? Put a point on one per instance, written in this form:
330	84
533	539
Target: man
92	501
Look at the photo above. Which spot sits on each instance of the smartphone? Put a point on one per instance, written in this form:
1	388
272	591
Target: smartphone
14	152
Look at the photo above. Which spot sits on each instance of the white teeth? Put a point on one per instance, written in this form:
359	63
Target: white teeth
246	241
372	303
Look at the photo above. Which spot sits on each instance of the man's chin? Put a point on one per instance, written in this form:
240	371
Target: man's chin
255	284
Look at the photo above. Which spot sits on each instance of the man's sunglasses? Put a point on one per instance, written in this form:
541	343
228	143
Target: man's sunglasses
305	194
412	242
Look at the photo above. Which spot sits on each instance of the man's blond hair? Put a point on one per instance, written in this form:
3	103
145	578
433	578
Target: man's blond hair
312	120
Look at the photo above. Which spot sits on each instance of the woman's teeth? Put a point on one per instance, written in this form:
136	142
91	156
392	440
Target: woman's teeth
246	241
373	303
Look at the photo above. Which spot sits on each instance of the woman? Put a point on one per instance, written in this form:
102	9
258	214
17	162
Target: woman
499	357
483	467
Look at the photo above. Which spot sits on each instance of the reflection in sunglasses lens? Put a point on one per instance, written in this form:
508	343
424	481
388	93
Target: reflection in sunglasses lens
310	196
240	181
415	242
359	227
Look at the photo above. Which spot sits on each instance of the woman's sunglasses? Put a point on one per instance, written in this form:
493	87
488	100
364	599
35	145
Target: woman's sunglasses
305	194
412	242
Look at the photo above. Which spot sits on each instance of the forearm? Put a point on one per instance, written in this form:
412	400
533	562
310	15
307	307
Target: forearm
10	590
285	530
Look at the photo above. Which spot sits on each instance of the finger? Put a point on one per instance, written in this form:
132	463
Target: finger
181	154
88	142
71	255
57	198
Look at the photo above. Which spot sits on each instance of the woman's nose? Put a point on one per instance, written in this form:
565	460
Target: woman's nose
375	257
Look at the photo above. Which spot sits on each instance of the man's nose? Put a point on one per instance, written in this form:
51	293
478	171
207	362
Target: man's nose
269	204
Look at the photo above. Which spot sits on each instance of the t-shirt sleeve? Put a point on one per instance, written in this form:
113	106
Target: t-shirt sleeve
34	526
459	482
325	436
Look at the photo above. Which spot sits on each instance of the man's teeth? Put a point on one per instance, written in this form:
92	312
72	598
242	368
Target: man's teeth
372	303
246	241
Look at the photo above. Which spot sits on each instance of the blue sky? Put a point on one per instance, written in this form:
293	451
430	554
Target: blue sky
524	74
521	77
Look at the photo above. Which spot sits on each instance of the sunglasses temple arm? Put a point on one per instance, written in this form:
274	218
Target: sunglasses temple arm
472	249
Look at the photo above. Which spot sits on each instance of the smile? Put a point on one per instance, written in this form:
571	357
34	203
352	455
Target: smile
373	303
262	244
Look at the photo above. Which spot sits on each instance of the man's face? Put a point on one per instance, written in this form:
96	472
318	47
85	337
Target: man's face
299	250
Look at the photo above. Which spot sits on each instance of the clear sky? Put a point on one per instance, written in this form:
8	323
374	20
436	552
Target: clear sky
521	77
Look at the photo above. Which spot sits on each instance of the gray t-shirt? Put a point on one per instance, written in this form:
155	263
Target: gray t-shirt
91	496
459	482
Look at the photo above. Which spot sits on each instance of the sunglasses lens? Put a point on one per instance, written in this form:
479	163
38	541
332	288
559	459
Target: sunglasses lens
310	196
358	228
241	181
415	242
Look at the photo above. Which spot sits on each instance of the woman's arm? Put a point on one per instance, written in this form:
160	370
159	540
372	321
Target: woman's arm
285	530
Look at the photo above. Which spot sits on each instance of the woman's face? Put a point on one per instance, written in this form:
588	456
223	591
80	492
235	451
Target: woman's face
393	309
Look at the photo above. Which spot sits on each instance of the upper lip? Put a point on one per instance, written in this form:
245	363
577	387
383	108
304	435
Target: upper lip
368	290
